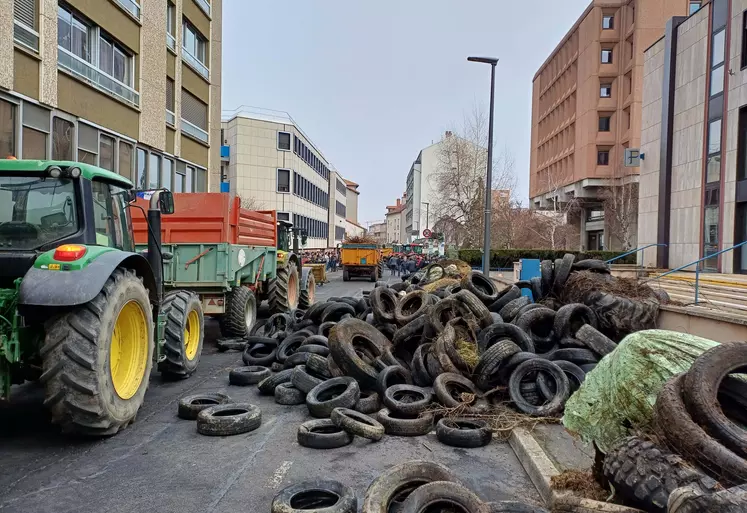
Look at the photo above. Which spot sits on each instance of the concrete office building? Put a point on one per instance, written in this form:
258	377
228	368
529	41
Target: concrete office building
419	192
271	164
131	87
586	109
693	194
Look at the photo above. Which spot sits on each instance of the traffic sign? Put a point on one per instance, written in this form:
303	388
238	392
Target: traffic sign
427	233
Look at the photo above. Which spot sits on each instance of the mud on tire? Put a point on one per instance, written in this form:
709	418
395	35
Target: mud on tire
308	289
279	296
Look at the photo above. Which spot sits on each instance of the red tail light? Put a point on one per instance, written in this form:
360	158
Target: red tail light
69	252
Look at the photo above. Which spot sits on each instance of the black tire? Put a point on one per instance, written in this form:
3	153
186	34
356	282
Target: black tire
508	366
432	363
315	312
229	419
278	322
477	307
243	376
289	346
509	312
259	354
504	297
396	424
230	344
304	381
350	337
345	275
645	474
573	372
375	275
392	487
496	332
407	399
463	432
595	340
335	312
241	313
590	264
259	328
411	306
490	362
571	317
312	349
357	424
689	440
577	356
420	374
563	271
449	387
76	372
538	323
526	308
442	496
441	313
383	303
334	393
481	286
325	328
191	405
267	386
547	275
511	507
288	395
562	388
446	338
701	388
318	365
277	290
369	402
308	289
315	496
183	312
392	375
690	499
537	291
322	434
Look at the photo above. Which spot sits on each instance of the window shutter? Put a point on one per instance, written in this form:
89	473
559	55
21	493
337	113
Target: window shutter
25	12
170	94
193	110
88	138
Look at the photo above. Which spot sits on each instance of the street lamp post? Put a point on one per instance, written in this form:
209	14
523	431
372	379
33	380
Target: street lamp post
489	179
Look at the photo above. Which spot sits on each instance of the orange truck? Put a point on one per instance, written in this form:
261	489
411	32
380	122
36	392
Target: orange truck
361	260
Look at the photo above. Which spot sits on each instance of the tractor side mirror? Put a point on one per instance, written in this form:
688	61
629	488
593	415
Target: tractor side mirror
166	202
304	237
129	195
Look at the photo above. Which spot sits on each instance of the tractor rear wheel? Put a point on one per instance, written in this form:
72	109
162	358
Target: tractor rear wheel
241	313
283	291
96	359
185	331
308	289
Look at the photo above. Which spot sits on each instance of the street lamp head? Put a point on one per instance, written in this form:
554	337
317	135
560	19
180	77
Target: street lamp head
487	60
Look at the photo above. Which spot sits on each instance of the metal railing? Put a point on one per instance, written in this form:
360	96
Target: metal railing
26	36
194	130
170	41
204	5
170	118
632	252
697	268
195	63
87	71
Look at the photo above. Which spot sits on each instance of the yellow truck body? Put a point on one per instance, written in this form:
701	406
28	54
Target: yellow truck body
361	260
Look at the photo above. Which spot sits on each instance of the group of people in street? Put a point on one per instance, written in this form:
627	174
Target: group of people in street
401	264
330	258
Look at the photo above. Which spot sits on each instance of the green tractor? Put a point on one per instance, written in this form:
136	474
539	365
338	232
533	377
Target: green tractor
295	285
80	310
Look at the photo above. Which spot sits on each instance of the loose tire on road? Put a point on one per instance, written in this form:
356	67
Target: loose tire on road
308	289
191	405
185	332
283	291
322	434
562	387
288	395
316	496
442	496
369	402
229	419
334	393
357	423
463	432
241	313
407	399
267	386
403	425
91	388
250	375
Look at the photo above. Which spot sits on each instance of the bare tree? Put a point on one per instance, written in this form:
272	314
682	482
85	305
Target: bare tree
458	183
250	203
621	207
559	205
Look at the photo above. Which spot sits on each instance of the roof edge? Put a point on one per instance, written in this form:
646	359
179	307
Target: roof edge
563	41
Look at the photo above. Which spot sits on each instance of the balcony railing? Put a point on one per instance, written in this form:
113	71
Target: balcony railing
131	7
170	118
25	36
195	63
86	71
194	130
170	41
204	5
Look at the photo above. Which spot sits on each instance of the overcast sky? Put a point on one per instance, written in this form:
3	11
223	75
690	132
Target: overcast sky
372	82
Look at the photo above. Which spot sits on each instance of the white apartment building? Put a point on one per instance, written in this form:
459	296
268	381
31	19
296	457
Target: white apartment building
418	193
272	165
395	222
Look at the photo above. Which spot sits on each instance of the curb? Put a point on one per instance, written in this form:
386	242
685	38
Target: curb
541	470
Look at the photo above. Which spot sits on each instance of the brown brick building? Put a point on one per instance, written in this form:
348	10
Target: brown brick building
586	110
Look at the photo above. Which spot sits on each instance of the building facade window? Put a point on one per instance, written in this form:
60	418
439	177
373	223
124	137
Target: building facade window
25	24
171	26
7	129
604	123
106	152
308	156
694	6
606	56
154	171
340	209
63	135
88	144
744	43
166	170
194	117
125	160
142	169
608	22
605	91
170	102
603	157
303	188
283	181
339	232
713	166
194	45
315	229
340	186
284	141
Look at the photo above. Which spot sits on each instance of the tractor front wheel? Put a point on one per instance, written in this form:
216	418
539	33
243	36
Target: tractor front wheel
283	291
185	331
96	359
308	289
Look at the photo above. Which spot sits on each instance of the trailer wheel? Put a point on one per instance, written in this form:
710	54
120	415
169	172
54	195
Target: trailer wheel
185	331
374	274
96	359
345	275
308	290
283	291
241	313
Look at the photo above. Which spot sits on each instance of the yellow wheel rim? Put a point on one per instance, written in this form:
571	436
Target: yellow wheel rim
292	290
192	335
311	288
128	353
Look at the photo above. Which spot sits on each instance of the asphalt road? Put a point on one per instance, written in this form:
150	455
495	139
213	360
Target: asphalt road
162	464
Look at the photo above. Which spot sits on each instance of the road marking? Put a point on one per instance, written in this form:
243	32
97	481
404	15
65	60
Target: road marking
279	474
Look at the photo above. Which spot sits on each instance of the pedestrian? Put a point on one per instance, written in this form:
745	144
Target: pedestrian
393	264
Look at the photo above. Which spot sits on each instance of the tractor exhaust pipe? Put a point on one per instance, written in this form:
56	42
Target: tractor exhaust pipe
155	258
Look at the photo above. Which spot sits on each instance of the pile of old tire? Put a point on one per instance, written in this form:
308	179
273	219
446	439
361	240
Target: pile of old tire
410	487
702	414
218	415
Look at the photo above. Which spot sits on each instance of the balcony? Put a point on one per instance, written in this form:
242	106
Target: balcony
95	77
170	118
225	153
25	36
195	64
130	6
171	42
204	5
194	131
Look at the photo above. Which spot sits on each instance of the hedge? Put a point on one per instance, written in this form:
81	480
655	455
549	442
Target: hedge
505	258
